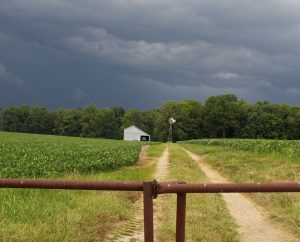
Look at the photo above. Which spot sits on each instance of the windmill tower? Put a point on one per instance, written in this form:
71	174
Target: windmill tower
170	135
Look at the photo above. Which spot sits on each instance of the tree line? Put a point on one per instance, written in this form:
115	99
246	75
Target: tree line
219	116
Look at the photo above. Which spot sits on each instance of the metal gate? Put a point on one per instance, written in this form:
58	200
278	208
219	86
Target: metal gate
151	190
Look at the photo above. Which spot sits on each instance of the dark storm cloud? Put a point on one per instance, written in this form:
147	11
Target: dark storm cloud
7	78
137	53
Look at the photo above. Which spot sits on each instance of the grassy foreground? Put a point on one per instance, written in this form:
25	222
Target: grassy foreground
254	166
61	215
207	217
44	215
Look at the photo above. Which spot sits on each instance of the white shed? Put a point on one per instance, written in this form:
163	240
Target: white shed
134	133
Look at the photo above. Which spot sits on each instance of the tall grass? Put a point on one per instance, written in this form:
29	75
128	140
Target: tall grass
290	149
255	165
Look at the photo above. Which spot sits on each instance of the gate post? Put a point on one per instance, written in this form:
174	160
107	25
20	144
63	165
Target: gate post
148	211
180	216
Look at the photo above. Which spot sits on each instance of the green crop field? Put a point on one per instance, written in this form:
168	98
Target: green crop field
61	215
289	148
28	156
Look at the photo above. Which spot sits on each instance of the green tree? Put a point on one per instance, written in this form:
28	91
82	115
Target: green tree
221	115
192	119
37	120
243	110
149	118
88	122
119	113
170	109
108	124
15	118
265	120
1	118
67	122
295	124
133	117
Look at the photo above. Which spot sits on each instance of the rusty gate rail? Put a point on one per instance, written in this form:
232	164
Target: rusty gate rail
227	187
151	190
71	185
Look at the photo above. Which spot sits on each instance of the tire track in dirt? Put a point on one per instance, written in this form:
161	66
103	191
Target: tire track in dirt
250	218
133	231
162	173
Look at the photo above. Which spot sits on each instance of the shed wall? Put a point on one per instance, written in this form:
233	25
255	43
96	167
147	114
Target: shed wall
134	133
132	136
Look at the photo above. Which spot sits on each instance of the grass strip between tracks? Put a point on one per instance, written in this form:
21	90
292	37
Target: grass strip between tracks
207	216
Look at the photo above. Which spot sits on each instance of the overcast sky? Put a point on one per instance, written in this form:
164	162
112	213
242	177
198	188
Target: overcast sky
138	53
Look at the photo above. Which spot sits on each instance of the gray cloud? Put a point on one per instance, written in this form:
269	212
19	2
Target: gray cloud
154	50
226	75
78	94
7	78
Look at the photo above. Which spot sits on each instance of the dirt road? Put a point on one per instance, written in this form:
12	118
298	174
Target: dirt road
134	229
250	218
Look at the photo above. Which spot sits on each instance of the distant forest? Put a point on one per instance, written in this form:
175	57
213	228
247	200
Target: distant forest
219	116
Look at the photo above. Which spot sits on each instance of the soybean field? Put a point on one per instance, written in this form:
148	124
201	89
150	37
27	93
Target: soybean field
29	156
60	215
288	148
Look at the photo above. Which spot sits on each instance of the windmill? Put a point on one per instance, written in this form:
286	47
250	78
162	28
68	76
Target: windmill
171	122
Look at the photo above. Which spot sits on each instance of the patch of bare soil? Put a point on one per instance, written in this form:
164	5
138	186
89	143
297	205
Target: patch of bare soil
162	173
250	218
133	231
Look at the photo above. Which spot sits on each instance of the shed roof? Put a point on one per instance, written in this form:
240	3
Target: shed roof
137	129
